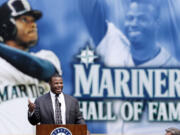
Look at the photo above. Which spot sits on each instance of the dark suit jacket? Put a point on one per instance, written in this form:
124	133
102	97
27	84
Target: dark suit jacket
44	111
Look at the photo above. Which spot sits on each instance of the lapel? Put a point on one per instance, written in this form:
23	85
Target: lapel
50	107
67	108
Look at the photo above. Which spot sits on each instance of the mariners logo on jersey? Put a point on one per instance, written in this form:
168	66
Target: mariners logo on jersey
61	131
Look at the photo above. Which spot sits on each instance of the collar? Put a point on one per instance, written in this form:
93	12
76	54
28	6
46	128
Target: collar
54	95
158	61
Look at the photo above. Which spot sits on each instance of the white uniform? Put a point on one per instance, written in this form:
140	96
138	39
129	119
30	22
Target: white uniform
114	47
114	50
15	89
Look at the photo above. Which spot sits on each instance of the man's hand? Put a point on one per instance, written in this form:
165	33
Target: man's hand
31	106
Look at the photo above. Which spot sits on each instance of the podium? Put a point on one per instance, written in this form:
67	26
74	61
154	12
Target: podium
51	129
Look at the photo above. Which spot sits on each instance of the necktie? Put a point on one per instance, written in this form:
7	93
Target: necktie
58	116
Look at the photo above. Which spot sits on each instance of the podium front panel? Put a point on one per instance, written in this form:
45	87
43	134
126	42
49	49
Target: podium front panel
47	129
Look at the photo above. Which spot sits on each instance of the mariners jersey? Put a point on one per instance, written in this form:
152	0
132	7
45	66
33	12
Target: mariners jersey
15	89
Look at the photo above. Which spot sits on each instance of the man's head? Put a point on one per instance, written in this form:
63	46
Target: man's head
17	22
141	21
172	131
56	84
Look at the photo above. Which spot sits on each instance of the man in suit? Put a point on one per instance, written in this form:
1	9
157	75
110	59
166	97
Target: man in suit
45	109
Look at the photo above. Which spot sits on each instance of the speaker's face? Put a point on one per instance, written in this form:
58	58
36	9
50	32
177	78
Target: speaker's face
56	84
26	30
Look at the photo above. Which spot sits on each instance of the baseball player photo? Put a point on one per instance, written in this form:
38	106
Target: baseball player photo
23	75
134	43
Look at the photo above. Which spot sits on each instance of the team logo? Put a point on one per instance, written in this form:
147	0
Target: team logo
61	131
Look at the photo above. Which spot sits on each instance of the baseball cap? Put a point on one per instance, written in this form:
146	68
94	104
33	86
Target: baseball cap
174	131
16	8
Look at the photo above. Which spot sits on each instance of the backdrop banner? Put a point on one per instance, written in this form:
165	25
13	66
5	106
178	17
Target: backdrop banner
119	58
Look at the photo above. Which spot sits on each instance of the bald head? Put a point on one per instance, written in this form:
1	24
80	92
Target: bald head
172	131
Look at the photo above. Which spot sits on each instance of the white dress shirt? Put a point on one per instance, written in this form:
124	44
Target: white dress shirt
63	106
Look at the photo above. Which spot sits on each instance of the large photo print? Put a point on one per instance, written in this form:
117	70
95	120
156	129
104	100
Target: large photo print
119	58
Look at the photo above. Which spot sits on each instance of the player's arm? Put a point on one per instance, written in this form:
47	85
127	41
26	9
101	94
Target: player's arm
27	63
94	15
